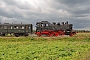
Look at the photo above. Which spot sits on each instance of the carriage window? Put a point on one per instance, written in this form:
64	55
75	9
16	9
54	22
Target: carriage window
5	27
9	27
21	27
15	27
26	27
29	27
1	27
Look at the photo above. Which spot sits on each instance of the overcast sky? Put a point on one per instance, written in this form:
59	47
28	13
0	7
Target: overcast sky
76	12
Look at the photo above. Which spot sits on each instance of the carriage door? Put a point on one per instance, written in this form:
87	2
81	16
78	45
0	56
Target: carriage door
26	28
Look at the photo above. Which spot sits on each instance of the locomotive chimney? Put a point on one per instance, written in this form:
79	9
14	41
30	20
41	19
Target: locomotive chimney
62	23
67	22
58	23
54	23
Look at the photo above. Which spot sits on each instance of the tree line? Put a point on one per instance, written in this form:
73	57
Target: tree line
82	30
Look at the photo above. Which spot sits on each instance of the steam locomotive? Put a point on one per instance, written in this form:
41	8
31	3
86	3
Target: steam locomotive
42	28
54	29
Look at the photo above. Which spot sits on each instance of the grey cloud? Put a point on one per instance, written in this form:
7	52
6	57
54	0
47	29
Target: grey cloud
81	24
17	4
10	2
9	14
75	11
74	2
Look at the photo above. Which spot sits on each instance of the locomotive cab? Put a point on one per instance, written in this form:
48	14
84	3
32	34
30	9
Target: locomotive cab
40	26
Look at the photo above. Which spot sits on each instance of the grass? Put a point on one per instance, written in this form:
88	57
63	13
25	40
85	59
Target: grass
45	48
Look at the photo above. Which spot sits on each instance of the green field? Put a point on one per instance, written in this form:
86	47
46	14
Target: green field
46	48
